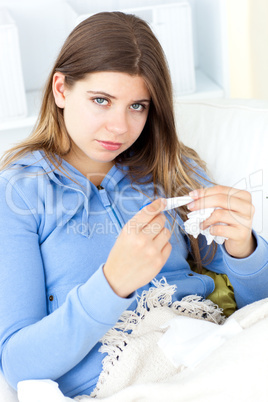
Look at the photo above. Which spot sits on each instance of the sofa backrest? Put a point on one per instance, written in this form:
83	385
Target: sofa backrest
231	136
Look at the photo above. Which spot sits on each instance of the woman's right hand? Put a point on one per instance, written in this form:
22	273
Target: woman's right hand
140	251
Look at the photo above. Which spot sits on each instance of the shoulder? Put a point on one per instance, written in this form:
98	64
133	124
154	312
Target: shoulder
31	164
23	183
19	171
25	177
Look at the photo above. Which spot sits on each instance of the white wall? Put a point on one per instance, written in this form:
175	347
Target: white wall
259	47
248	51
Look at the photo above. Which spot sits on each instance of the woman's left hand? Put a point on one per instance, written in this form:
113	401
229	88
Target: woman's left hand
235	211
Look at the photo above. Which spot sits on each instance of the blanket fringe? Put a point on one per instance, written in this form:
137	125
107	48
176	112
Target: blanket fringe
202	309
117	338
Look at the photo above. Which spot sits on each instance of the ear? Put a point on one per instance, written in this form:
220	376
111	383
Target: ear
58	89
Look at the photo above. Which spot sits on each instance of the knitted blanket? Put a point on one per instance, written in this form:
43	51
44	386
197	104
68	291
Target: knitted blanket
133	354
136	368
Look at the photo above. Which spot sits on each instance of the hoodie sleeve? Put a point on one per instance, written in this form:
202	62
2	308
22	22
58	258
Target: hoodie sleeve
33	344
248	276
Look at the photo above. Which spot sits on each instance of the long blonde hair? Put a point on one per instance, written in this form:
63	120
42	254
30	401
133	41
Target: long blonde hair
114	41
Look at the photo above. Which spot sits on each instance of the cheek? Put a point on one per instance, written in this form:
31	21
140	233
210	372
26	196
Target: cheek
138	125
72	115
79	120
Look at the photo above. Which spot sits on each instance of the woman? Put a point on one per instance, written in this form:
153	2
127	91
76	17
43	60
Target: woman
77	246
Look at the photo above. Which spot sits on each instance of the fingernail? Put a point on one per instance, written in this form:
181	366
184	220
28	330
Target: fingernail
156	205
191	205
194	193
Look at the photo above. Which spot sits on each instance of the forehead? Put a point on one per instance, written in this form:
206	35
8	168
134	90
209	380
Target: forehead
116	83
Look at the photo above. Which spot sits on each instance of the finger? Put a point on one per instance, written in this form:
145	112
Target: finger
162	238
230	232
224	201
148	213
218	189
154	207
166	252
154	227
226	217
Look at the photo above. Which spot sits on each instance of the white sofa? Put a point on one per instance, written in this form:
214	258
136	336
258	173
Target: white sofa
232	137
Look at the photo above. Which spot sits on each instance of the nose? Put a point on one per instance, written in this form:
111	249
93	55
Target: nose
117	123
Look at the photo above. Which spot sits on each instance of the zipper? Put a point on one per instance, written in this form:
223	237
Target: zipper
108	206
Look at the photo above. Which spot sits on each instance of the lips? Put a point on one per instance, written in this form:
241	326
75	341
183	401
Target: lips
111	146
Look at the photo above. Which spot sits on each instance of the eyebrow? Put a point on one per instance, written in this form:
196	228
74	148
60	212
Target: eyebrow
113	97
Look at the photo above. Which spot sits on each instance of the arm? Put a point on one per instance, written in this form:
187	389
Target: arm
34	344
244	256
37	345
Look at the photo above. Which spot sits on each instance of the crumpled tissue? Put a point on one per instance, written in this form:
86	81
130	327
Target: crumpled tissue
192	225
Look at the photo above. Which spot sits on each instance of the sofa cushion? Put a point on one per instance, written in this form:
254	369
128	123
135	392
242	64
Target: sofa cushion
232	137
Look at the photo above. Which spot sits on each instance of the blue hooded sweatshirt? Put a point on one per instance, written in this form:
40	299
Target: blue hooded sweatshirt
55	302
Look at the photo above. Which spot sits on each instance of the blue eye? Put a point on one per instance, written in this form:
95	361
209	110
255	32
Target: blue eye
101	101
137	106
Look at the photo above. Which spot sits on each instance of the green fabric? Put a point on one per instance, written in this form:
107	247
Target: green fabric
223	294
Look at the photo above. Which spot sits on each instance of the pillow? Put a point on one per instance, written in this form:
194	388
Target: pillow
231	136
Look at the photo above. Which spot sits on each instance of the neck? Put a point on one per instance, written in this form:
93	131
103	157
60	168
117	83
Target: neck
93	171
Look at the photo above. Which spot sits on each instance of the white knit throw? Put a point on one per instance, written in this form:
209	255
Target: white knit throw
133	354
241	362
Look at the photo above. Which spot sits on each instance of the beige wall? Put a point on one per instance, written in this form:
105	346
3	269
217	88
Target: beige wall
248	48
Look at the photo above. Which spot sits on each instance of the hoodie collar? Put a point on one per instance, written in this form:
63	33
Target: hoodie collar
76	179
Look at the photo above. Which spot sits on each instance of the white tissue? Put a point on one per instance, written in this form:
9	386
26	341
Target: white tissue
176	202
192	225
188	340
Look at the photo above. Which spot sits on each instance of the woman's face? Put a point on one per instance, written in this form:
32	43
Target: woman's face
104	115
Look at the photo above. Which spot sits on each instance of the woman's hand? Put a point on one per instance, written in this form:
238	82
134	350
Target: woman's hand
140	251
236	212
